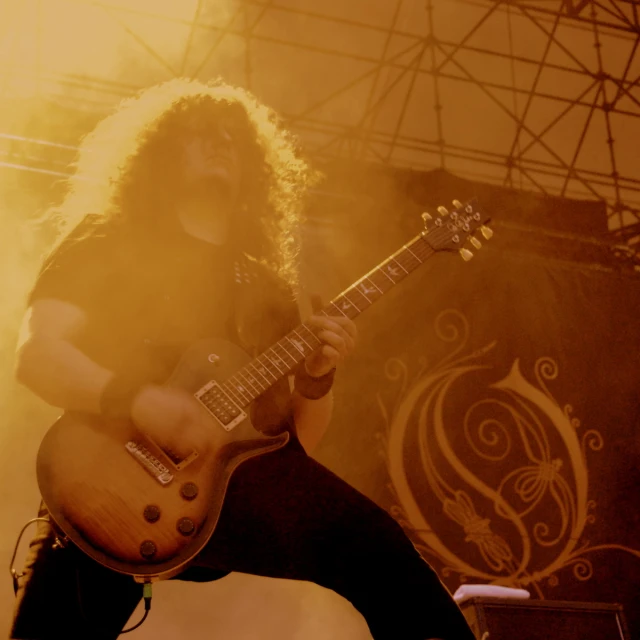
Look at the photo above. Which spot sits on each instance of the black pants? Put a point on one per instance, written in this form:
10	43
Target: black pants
285	516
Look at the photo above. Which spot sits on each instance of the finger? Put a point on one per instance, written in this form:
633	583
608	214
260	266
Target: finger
331	355
346	324
340	326
341	343
349	338
321	322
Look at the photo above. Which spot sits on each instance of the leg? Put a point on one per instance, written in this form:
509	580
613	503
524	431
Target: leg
66	595
287	516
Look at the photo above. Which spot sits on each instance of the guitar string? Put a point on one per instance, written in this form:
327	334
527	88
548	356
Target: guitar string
421	243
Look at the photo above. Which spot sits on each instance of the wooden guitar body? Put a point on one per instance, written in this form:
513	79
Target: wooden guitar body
106	487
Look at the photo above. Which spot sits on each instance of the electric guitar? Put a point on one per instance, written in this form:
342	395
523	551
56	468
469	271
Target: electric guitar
141	510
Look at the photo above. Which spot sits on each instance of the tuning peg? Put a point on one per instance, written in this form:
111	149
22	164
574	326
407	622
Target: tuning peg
457	204
466	254
486	232
443	211
426	216
475	242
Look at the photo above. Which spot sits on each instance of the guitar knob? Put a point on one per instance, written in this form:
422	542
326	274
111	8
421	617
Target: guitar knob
148	549
189	490
151	513
186	526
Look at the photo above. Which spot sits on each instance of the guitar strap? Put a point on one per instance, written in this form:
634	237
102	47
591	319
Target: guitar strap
260	311
244	278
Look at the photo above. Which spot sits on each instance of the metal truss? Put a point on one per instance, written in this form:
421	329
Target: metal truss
565	108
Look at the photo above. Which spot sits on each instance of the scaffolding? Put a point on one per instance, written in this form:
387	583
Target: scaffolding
540	95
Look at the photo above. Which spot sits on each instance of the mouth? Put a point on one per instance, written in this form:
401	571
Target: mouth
219	157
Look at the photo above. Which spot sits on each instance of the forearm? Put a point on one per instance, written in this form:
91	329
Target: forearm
61	374
312	418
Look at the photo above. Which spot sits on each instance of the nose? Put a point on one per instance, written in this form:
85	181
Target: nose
223	133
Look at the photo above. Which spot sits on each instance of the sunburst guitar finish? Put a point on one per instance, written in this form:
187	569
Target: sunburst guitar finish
131	505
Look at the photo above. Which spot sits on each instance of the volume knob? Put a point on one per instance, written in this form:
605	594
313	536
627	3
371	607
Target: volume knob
148	549
151	513
186	526
189	490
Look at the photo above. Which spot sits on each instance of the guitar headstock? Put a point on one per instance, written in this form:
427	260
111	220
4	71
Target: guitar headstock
451	230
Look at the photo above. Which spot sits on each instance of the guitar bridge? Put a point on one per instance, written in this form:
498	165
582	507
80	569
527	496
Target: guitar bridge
149	462
226	412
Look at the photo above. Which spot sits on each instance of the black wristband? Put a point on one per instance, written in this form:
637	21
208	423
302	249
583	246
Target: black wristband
310	387
117	396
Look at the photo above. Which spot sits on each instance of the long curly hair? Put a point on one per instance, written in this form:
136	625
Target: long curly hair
127	167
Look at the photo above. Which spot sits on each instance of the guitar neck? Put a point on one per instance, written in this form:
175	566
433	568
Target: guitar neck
282	357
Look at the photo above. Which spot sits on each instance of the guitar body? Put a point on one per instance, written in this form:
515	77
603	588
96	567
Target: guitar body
129	504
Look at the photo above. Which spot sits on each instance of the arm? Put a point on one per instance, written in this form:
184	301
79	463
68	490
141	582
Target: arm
50	365
312	417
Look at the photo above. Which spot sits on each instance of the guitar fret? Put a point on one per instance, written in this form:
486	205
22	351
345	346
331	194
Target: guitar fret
382	281
422	249
345	305
301	339
238	386
392	272
408	262
339	309
363	294
296	355
400	265
300	348
275	363
386	275
260	360
371	295
314	340
282	348
246	375
364	302
413	254
232	392
260	372
374	284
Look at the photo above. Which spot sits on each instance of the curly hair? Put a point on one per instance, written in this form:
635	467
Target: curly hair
128	163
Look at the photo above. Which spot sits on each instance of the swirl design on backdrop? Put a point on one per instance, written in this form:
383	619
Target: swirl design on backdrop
497	489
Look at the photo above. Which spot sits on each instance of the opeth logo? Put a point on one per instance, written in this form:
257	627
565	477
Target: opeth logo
489	470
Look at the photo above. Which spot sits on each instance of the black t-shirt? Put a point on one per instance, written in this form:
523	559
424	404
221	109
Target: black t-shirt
146	304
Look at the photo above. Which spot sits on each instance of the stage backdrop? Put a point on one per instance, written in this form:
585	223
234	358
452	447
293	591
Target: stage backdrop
492	405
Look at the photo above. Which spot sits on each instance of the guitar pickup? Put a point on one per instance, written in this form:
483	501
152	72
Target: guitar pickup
219	405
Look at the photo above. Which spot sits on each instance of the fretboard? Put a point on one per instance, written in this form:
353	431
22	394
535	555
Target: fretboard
282	357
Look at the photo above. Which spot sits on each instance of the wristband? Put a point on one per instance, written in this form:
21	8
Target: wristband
117	396
310	387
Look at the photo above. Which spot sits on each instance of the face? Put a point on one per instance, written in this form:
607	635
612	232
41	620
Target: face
211	159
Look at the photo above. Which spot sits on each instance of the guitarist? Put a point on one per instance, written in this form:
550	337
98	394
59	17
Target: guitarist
192	234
